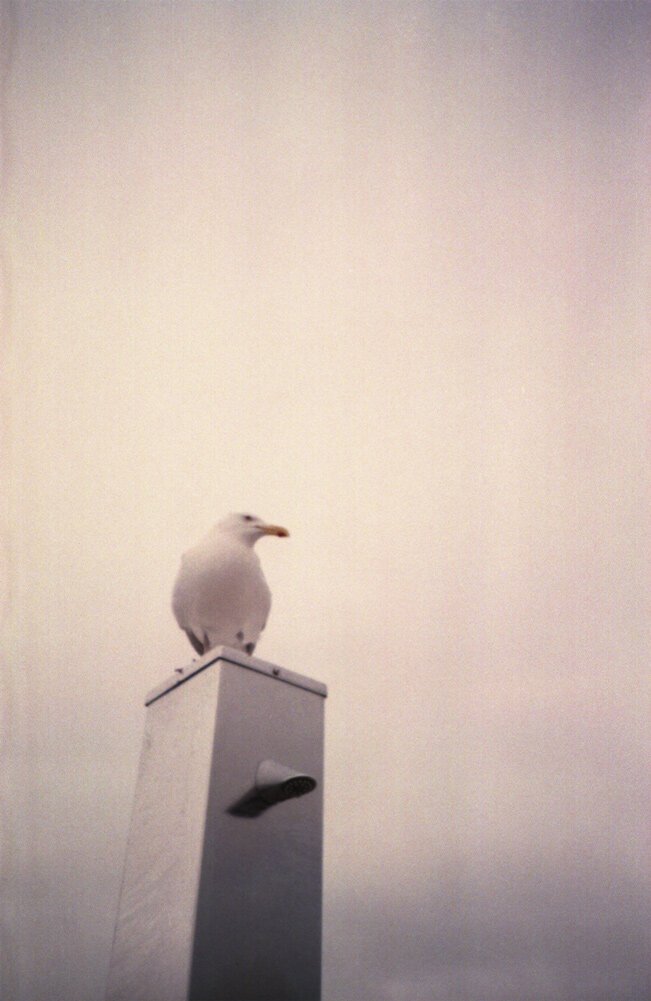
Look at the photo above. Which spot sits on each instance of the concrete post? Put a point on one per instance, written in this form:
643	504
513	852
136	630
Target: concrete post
221	893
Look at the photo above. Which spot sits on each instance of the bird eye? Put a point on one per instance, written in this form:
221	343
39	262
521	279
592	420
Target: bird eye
248	517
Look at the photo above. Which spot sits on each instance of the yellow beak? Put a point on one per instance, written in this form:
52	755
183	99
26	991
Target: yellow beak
278	530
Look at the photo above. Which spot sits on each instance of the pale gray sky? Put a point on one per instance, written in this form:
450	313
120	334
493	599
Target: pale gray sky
378	272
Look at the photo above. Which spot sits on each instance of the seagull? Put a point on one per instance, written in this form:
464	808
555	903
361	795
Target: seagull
221	596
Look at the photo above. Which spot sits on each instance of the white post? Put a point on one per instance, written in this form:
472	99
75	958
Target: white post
221	893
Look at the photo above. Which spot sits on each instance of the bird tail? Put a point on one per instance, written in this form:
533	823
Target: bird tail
197	644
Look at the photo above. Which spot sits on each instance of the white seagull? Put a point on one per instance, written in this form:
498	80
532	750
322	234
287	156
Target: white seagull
221	596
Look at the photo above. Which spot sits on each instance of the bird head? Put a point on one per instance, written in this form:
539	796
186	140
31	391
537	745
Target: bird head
248	528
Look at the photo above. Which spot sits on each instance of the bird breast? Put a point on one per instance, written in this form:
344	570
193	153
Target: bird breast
222	580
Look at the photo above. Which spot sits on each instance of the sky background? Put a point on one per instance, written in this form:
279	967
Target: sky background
378	272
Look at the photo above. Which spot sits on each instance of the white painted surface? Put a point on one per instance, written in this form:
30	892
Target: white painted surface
215	905
153	941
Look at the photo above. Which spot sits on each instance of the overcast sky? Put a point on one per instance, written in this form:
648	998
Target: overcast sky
378	272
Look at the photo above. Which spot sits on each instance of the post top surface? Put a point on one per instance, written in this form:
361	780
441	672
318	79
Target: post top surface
230	656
